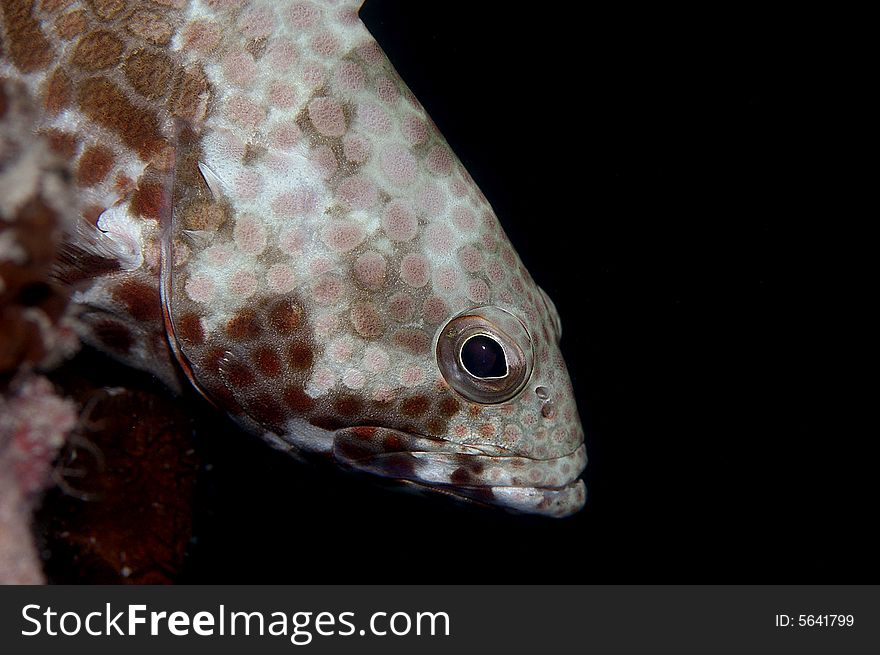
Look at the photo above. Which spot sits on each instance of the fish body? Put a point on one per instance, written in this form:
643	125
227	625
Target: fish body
278	217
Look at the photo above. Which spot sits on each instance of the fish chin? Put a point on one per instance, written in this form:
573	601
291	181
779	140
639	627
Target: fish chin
556	502
487	475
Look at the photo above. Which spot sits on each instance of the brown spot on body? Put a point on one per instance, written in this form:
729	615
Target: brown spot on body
189	329
415	406
149	73
367	320
392	443
62	143
151	27
437	426
300	356
107	9
140	299
397	465
188	181
98	50
348	405
298	400
211	362
413	341
257	47
203	215
25	44
244	326
235	373
473	465
352	449
150	200
56	92
449	407
190	96
51	6
71	24
267	361
102	101
365	432
285	316
94	165
462	476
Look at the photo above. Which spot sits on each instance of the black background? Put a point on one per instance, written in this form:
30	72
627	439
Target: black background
657	173
654	172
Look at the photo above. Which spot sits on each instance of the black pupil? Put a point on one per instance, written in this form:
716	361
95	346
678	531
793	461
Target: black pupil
483	357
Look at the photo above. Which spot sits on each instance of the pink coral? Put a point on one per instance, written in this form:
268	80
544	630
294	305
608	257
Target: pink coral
36	327
34	423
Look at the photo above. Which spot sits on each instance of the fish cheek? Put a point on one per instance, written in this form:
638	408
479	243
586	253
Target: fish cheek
253	364
419	412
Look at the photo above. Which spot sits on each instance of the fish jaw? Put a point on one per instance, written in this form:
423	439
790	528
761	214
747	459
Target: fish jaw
484	475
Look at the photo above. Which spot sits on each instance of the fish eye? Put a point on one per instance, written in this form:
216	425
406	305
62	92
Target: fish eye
485	355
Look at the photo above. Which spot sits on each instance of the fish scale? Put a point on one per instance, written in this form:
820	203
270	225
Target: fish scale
275	204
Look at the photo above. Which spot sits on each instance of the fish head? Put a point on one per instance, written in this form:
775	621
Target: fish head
336	281
433	360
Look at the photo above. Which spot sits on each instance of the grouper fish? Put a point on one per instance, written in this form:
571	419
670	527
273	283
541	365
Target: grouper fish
264	209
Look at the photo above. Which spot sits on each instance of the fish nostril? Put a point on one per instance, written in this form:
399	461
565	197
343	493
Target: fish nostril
548	409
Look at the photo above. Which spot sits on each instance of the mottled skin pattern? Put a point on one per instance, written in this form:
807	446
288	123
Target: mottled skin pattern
261	167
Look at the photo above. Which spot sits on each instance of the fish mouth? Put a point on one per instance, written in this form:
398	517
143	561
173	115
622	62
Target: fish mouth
487	475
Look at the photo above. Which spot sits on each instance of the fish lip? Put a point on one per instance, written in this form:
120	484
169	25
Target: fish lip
520	500
493	476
